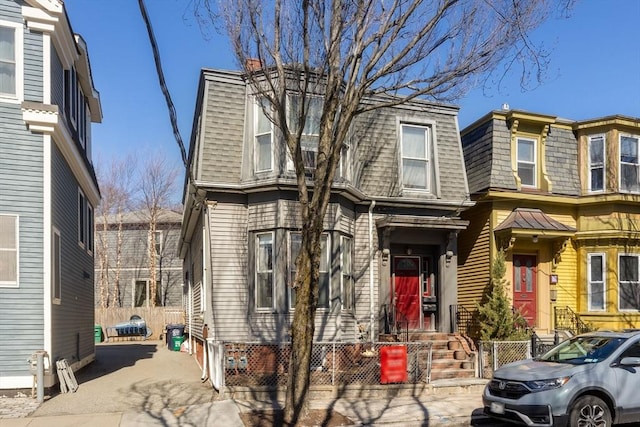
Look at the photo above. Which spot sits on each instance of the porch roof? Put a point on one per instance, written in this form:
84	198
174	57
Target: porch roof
415	221
534	220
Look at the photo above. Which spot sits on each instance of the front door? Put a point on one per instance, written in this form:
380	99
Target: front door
407	291
524	286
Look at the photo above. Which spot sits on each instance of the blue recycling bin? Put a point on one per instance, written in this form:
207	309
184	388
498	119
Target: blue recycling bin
173	330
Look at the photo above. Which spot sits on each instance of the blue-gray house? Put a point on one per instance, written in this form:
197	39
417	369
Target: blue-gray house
48	191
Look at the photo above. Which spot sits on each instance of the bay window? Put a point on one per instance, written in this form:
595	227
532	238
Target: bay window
264	291
596	290
596	163
295	243
629	164
310	130
263	131
11	51
629	282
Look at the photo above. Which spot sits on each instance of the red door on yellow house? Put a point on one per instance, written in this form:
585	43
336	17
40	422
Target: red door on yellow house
524	286
407	291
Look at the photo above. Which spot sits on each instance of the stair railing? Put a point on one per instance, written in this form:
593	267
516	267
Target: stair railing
567	319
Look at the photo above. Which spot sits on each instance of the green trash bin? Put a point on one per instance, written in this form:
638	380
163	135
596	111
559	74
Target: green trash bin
97	333
176	342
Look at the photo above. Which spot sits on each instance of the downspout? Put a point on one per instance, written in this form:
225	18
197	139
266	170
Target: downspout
371	283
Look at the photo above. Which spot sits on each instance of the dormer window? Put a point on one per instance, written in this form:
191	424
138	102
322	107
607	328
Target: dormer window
596	163
415	143
311	130
263	131
527	161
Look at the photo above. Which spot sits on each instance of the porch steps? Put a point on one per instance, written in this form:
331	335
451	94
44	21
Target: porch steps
452	358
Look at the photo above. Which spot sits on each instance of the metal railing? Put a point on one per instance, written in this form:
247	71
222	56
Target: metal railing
567	319
463	320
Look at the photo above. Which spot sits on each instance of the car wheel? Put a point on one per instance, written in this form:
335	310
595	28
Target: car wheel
590	411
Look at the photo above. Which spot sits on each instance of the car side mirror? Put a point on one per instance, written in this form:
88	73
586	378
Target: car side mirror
630	361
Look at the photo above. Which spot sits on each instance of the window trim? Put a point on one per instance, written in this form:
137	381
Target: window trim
258	309
637	164
90	229
343	291
82	220
16	228
18	96
292	128
257	113
603	166
147	288
428	159
56	267
534	162
637	257
590	281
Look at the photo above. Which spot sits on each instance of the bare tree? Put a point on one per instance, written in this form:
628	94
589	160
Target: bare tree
358	56
157	187
115	180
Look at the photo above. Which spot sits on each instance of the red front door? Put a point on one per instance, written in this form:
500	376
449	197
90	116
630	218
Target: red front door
407	291
524	286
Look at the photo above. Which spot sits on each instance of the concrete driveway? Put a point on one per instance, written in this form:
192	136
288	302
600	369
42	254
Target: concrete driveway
138	376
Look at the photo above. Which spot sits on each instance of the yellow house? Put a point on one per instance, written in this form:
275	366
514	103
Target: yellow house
559	197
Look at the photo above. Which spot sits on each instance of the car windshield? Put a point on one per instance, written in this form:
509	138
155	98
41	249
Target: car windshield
583	349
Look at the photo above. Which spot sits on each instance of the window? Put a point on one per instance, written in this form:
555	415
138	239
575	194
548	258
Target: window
90	229
416	161
263	131
629	164
9	251
11	41
56	274
310	131
629	286
346	269
82	223
265	297
595	286
596	163
158	242
295	244
141	292
526	158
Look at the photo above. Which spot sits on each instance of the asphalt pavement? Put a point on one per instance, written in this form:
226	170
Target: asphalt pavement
143	383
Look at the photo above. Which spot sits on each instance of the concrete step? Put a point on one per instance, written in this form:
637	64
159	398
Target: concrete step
456	373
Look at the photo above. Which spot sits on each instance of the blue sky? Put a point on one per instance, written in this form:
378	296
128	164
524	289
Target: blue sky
594	70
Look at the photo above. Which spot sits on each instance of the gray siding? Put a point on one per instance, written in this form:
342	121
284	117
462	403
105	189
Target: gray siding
33	66
21	187
57	80
377	156
72	320
135	265
11	10
223	122
562	161
478	152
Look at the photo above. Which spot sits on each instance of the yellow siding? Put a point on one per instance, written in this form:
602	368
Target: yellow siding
567	271
473	257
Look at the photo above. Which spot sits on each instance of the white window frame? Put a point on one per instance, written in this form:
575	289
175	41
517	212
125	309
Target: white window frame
346	274
147	288
293	128
18	40
90	228
15	250
82	219
534	163
427	160
258	113
271	236
591	281
56	266
620	281
158	242
637	164
593	166
291	270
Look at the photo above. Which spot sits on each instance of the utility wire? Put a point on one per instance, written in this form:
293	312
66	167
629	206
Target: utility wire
163	85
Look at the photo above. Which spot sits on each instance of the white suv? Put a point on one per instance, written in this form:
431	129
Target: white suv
590	380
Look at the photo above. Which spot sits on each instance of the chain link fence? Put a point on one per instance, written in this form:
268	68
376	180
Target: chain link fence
266	364
494	354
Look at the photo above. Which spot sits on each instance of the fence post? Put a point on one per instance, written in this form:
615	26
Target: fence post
333	366
495	356
534	347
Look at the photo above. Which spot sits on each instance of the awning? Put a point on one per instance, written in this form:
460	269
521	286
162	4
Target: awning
526	221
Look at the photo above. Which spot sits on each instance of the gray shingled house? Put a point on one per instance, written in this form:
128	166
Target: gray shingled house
48	191
390	231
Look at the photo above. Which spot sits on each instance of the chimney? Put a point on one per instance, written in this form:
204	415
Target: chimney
253	64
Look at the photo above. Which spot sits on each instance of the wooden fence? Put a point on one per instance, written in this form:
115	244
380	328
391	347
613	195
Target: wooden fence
156	318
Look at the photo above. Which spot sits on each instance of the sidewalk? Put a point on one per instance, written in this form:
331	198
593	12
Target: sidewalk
432	411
